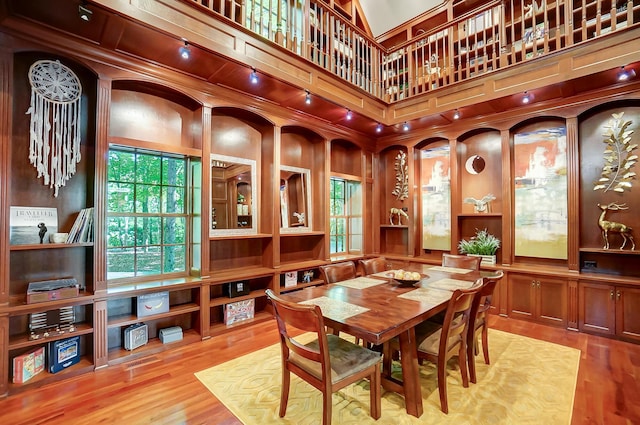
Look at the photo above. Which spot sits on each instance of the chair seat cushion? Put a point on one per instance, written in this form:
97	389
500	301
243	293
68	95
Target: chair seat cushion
346	358
428	336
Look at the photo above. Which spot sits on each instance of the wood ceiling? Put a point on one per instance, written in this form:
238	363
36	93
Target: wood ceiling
112	32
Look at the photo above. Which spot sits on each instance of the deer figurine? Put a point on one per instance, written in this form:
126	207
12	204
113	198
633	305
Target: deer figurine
614	227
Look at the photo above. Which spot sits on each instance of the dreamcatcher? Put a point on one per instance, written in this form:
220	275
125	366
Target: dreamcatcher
54	130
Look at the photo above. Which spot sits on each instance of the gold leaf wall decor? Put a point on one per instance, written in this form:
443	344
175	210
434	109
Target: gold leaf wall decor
401	189
619	158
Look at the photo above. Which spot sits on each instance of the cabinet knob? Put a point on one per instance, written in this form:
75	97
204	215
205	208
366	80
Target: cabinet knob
618	294
538	283
533	283
611	294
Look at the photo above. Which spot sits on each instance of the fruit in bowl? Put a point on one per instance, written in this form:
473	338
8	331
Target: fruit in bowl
406	277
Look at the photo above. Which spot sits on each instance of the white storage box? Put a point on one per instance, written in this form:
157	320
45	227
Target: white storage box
171	334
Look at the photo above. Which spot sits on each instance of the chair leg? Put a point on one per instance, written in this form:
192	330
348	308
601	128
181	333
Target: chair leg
326	407
386	359
485	343
374	390
462	361
442	384
471	358
284	395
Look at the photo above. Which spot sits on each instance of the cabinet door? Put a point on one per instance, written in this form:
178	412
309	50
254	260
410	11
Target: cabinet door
521	297
596	308
628	313
551	301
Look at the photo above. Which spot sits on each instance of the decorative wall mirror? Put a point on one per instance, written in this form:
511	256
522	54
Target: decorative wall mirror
233	196
295	199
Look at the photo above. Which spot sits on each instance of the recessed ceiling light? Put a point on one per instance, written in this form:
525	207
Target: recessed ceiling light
456	115
307	98
626	74
84	12
349	114
185	52
253	77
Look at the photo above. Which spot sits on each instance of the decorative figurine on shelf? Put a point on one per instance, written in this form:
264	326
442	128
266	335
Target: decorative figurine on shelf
300	217
401	189
307	276
614	227
481	205
619	158
399	212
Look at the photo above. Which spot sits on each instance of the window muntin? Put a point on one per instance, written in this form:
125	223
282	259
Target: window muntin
146	214
345	204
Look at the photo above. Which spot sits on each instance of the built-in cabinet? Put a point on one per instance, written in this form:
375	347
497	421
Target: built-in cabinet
609	310
541	299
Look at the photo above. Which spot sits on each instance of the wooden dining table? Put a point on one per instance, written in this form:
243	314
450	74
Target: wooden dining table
377	308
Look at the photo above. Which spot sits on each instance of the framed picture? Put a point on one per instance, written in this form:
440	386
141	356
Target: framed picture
32	225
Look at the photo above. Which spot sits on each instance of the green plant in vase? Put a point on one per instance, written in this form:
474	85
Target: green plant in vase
482	243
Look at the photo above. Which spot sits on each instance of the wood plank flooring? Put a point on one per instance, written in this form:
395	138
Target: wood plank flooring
161	389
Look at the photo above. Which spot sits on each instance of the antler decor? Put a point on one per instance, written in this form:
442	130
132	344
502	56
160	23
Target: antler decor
618	156
402	177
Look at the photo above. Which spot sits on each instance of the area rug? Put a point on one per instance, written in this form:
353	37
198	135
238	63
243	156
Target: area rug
528	382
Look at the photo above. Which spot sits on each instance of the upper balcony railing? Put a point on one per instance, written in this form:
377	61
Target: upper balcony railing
497	35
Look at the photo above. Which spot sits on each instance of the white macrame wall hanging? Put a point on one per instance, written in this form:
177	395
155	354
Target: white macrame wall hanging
54	130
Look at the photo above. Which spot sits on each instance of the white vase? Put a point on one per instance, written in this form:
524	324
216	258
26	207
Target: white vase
487	260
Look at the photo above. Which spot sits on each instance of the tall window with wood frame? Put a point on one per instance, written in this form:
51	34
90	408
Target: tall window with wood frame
345	216
147	215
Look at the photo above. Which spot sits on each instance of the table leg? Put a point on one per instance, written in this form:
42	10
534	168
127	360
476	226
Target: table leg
410	372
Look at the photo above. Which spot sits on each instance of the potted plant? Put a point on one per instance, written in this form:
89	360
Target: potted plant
482	244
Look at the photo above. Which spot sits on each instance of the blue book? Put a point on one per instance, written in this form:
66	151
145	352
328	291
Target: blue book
63	353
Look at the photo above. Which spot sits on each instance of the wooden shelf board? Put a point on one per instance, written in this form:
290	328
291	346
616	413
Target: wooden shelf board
120	355
17	304
219	328
218	301
611	251
300	265
154	286
83	366
23	341
241	236
28	247
129	319
299	285
233	275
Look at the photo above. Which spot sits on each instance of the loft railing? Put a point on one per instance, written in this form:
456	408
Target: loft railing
497	35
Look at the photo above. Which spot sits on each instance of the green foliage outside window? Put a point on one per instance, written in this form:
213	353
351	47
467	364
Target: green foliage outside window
146	214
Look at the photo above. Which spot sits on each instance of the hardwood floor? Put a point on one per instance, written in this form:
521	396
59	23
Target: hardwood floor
161	389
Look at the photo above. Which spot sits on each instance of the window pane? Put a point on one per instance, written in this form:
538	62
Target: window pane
355	243
148	169
174	258
148	231
340	246
120	197
355	225
341	226
121	166
172	199
173	172
174	230
148	260
120	231
147	199
120	263
338	207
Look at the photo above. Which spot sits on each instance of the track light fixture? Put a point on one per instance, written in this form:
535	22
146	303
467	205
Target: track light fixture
185	52
84	12
626	74
456	115
526	98
307	98
405	126
349	114
253	77
379	128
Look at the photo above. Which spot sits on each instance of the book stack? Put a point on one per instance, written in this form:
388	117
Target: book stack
82	230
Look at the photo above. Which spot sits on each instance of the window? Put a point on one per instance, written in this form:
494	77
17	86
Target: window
146	214
345	217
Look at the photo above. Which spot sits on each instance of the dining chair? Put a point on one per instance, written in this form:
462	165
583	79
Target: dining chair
461	261
336	272
438	343
373	265
478	322
329	363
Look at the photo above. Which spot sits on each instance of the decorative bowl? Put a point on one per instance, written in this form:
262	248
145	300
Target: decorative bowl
409	282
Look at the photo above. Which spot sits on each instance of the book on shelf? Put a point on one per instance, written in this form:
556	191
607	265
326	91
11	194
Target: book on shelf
28	365
32	225
82	229
239	311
